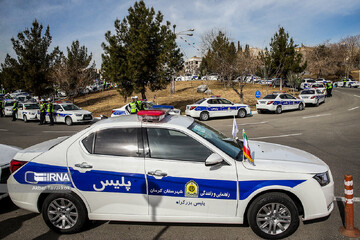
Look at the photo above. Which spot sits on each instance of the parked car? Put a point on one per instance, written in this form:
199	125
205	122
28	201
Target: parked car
207	108
312	96
279	102
7	154
125	110
69	113
28	111
8	105
306	83
162	168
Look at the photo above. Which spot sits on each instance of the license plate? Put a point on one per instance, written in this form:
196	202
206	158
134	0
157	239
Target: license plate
305	97
262	102
87	118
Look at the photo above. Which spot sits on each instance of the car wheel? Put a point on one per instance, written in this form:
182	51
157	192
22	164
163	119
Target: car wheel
273	216
68	121
259	111
301	106
25	118
278	110
241	113
204	116
64	212
317	103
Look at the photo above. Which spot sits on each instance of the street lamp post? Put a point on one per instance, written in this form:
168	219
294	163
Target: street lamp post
185	33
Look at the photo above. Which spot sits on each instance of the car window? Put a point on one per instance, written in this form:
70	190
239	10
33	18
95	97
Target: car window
31	106
213	101
56	107
69	107
117	141
88	143
175	145
224	101
318	91
283	96
270	96
200	101
289	96
305	92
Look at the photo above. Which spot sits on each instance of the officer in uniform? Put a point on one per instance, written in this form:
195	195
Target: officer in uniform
330	86
139	103
344	82
15	110
50	110
1	108
133	106
42	111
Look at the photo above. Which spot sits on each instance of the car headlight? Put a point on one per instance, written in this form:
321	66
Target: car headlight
322	178
78	115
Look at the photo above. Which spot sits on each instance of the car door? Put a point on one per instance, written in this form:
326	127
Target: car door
107	167
179	183
284	102
20	111
228	108
214	108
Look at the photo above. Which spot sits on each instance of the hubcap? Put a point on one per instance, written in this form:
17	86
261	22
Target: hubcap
62	213
273	218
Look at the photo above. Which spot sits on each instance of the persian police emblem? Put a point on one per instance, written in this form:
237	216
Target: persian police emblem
191	189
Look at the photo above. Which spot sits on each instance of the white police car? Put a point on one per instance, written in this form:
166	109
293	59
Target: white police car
125	110
279	102
168	168
207	108
69	113
7	153
28	111
349	83
8	105
312	96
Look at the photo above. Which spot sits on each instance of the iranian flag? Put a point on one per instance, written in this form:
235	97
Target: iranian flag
246	148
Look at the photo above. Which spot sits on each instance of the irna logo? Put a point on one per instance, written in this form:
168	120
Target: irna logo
34	177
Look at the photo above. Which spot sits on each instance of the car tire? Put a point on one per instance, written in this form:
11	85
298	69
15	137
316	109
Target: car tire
204	116
301	106
241	113
278	110
25	118
259	111
273	216
317	103
65	206
68	121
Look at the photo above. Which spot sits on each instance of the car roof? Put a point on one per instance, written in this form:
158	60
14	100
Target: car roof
168	121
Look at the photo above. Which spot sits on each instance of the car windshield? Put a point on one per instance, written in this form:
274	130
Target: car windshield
68	107
227	145
200	101
307	92
9	104
270	96
311	81
31	106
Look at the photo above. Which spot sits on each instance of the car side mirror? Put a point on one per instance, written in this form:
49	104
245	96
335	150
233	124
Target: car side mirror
213	159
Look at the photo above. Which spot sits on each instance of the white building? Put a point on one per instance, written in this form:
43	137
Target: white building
192	65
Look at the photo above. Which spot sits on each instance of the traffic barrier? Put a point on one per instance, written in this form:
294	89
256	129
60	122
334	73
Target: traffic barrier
349	230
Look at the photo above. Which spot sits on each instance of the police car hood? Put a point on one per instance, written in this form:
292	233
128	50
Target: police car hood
280	158
29	153
7	154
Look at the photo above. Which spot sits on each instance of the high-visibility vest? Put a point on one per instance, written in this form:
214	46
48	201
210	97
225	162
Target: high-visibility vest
139	105
133	107
50	107
42	107
15	106
330	85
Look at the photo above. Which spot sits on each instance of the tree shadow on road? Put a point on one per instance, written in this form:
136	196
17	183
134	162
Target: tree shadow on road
11	225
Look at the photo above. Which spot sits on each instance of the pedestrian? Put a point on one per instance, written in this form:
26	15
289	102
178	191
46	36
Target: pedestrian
50	110
15	110
42	111
1	108
133	106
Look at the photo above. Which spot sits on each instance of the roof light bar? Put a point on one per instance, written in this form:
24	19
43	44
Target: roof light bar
151	115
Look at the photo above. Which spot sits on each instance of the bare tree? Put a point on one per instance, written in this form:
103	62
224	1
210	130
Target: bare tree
351	59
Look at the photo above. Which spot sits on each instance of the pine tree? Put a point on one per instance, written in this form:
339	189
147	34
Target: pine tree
144	48
282	56
33	61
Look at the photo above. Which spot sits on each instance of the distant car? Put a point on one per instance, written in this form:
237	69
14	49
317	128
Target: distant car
28	111
7	154
207	108
312	96
320	87
279	102
23	98
306	83
276	82
125	110
8	105
349	84
69	113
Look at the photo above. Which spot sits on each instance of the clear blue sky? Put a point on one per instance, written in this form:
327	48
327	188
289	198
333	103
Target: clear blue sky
252	22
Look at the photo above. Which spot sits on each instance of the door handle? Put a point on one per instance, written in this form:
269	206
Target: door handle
83	165
158	173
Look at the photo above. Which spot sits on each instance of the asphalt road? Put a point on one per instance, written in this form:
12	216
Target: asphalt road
329	131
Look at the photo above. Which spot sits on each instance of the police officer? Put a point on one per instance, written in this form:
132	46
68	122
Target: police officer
139	103
50	110
42	111
133	106
330	86
15	110
1	108
344	82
